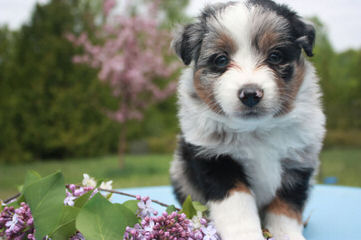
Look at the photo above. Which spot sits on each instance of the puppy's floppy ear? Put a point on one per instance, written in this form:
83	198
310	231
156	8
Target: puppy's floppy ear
306	35
188	41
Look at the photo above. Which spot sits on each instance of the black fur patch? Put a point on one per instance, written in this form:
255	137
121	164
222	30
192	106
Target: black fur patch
188	45
213	176
285	70
295	186
181	197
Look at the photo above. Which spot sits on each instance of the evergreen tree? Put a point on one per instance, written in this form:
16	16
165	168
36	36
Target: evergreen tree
55	106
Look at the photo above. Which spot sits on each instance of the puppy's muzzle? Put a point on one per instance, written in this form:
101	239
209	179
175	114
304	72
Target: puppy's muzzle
250	95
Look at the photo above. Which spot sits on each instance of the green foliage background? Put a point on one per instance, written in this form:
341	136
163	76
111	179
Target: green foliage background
51	108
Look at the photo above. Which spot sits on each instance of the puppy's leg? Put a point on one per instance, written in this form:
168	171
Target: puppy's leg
283	216
236	216
222	183
283	221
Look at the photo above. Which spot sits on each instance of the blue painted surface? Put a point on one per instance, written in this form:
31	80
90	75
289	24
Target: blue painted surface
335	212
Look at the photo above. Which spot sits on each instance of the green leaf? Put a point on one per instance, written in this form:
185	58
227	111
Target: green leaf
199	207
79	202
109	196
66	226
171	209
132	205
128	217
99	182
46	200
188	208
31	177
100	219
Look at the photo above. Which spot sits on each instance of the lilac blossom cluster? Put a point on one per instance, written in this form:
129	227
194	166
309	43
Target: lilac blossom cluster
173	226
88	184
17	223
73	192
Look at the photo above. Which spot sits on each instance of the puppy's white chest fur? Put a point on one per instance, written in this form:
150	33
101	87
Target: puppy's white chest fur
261	158
263	168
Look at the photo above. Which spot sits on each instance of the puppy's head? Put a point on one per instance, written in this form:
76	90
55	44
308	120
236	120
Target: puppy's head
246	57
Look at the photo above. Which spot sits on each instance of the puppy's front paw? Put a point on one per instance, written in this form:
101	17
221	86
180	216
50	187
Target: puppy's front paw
250	236
243	236
283	227
287	235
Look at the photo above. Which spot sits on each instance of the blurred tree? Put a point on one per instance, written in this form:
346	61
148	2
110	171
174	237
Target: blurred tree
174	12
130	55
324	55
51	108
8	100
340	75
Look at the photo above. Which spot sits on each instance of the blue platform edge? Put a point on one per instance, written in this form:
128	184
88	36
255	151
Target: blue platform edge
334	211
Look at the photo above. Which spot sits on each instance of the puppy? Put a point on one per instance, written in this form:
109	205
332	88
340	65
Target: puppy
251	119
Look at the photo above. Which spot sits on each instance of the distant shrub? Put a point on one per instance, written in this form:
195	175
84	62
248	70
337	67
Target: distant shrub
343	138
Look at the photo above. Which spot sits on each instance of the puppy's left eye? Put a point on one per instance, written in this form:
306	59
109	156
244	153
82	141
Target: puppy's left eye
221	60
275	57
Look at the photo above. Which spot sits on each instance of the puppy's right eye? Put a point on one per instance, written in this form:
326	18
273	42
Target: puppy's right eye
221	61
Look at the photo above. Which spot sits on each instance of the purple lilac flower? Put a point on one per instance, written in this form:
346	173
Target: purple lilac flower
69	200
17	223
168	226
73	192
144	208
210	233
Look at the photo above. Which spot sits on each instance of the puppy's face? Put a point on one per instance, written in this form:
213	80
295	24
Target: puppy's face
247	57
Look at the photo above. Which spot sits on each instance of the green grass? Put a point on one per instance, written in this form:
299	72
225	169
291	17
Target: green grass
150	170
139	170
345	164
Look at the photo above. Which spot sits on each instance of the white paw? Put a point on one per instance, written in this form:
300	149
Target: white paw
250	236
244	236
287	236
284	228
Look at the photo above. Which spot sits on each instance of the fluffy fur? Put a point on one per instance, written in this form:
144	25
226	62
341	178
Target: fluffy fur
271	148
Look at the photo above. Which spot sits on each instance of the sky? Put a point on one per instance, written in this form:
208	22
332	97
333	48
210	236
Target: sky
342	17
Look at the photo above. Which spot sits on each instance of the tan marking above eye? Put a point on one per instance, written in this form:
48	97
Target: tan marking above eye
267	41
226	43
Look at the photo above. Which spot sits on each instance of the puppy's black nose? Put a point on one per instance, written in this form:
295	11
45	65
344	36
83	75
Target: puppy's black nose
250	95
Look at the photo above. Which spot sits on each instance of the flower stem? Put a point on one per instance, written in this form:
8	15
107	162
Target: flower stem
104	190
12	198
134	196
